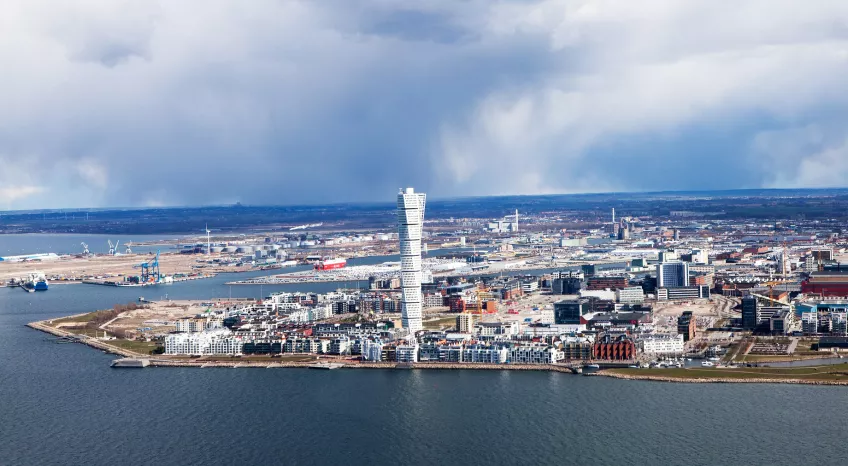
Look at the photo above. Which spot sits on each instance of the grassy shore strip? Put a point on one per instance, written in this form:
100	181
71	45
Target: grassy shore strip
816	375
90	341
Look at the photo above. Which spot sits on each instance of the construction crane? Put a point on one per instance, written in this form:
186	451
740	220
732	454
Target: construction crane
150	270
772	284
85	249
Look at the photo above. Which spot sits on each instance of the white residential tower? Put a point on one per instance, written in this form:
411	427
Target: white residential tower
410	224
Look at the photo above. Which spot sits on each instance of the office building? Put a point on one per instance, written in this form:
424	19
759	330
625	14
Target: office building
672	274
678	293
750	313
609	282
410	223
566	282
569	311
686	325
630	295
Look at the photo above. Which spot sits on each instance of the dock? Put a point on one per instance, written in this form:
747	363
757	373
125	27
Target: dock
326	366
130	363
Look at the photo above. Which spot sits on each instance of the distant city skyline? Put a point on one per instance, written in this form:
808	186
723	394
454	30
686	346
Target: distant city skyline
283	102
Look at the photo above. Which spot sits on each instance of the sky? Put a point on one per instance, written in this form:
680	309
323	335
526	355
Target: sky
155	103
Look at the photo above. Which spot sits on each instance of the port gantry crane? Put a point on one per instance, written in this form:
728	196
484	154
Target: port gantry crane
113	248
85	251
150	270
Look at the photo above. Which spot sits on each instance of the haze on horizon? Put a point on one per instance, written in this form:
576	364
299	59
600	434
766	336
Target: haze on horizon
124	103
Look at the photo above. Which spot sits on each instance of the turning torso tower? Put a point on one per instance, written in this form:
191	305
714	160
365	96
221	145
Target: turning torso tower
410	224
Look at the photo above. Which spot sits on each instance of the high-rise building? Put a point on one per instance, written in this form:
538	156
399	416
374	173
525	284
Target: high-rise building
750	313
686	325
465	323
410	224
672	274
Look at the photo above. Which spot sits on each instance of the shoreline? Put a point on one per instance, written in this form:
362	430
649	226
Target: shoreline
660	378
270	363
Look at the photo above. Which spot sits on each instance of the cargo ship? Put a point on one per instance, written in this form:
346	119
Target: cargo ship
330	264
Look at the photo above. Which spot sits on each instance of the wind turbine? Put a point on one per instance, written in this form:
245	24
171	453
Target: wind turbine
208	245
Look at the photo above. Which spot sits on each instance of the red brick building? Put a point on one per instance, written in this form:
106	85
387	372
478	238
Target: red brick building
456	303
604	283
611	348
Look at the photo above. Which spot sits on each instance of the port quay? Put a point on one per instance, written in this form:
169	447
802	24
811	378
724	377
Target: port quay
630	300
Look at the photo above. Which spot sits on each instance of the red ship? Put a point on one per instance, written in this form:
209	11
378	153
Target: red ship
330	264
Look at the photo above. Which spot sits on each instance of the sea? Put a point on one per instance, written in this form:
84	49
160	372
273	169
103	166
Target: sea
62	404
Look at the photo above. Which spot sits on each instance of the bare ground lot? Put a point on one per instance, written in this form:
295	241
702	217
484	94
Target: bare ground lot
77	268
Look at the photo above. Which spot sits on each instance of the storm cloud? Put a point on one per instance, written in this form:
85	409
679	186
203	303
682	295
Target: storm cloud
126	103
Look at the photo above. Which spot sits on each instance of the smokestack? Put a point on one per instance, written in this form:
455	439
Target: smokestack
516	219
613	215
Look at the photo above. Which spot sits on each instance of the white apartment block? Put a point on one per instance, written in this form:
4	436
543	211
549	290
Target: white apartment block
407	353
372	350
663	344
485	354
534	355
810	322
190	324
219	341
529	287
630	295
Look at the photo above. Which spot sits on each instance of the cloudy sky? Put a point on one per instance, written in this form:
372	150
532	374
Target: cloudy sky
129	103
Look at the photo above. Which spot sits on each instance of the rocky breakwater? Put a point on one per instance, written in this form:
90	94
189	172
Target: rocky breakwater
719	379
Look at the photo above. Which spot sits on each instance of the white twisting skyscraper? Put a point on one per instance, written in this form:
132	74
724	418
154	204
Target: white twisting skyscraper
410	224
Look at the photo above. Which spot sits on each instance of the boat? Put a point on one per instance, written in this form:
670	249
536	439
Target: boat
36	281
707	364
715	359
331	264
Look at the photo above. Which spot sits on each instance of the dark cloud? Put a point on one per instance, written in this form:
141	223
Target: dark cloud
270	102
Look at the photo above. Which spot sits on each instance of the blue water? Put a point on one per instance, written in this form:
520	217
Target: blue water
22	244
62	404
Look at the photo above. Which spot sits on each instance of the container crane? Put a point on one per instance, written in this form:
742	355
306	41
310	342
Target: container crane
150	270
